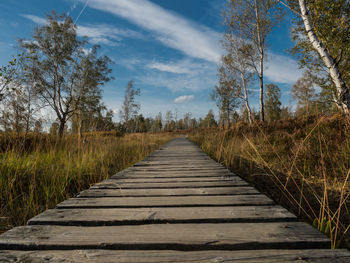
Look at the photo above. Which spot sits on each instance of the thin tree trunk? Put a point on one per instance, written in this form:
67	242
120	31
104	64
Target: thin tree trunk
261	62
343	96
261	81
61	128
246	99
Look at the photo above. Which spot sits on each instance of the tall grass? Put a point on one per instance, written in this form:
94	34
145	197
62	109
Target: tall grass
39	171
304	164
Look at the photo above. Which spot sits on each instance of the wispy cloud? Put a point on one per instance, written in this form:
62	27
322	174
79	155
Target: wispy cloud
183	99
172	68
36	19
282	69
169	28
105	34
97	33
180	76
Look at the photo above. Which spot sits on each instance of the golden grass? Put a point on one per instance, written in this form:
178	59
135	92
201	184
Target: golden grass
304	164
39	171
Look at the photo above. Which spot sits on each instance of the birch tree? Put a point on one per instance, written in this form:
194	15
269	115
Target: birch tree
225	96
253	20
54	52
322	36
236	64
130	107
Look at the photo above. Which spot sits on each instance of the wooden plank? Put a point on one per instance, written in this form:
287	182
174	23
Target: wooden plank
133	216
179	166
116	184
179	162
232	236
166	201
116	192
171	256
167	174
189	169
232	179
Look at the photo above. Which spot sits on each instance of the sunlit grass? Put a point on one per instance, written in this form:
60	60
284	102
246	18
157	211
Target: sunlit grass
304	164
51	171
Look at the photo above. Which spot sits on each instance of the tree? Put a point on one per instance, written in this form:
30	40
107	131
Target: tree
157	124
8	76
20	104
168	119
322	37
57	59
94	73
252	21
304	92
225	96
272	102
209	119
187	121
236	65
130	108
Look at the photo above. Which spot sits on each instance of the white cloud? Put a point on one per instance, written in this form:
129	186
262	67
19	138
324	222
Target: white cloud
105	34
171	29
35	19
282	69
182	75
183	99
172	68
97	33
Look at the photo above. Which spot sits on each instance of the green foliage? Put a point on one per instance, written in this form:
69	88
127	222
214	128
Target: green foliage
209	120
130	108
304	92
66	77
225	97
330	20
272	102
8	76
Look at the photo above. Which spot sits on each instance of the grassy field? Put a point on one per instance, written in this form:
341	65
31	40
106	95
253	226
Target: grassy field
39	171
303	164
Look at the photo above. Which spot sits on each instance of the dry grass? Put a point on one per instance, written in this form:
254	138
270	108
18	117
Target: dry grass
39	171
304	164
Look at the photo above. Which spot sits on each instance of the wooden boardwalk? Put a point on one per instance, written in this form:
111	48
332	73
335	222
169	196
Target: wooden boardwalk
177	205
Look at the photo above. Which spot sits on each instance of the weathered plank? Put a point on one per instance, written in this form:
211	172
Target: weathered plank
176	181
180	168
116	192
233	236
172	166
133	216
232	179
167	174
166	201
155	185
170	256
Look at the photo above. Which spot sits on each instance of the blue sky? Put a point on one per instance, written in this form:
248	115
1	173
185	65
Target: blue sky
169	48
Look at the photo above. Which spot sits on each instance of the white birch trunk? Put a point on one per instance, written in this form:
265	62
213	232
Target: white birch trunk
246	98
261	62
343	95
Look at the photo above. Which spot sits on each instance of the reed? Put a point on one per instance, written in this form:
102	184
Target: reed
39	171
303	164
